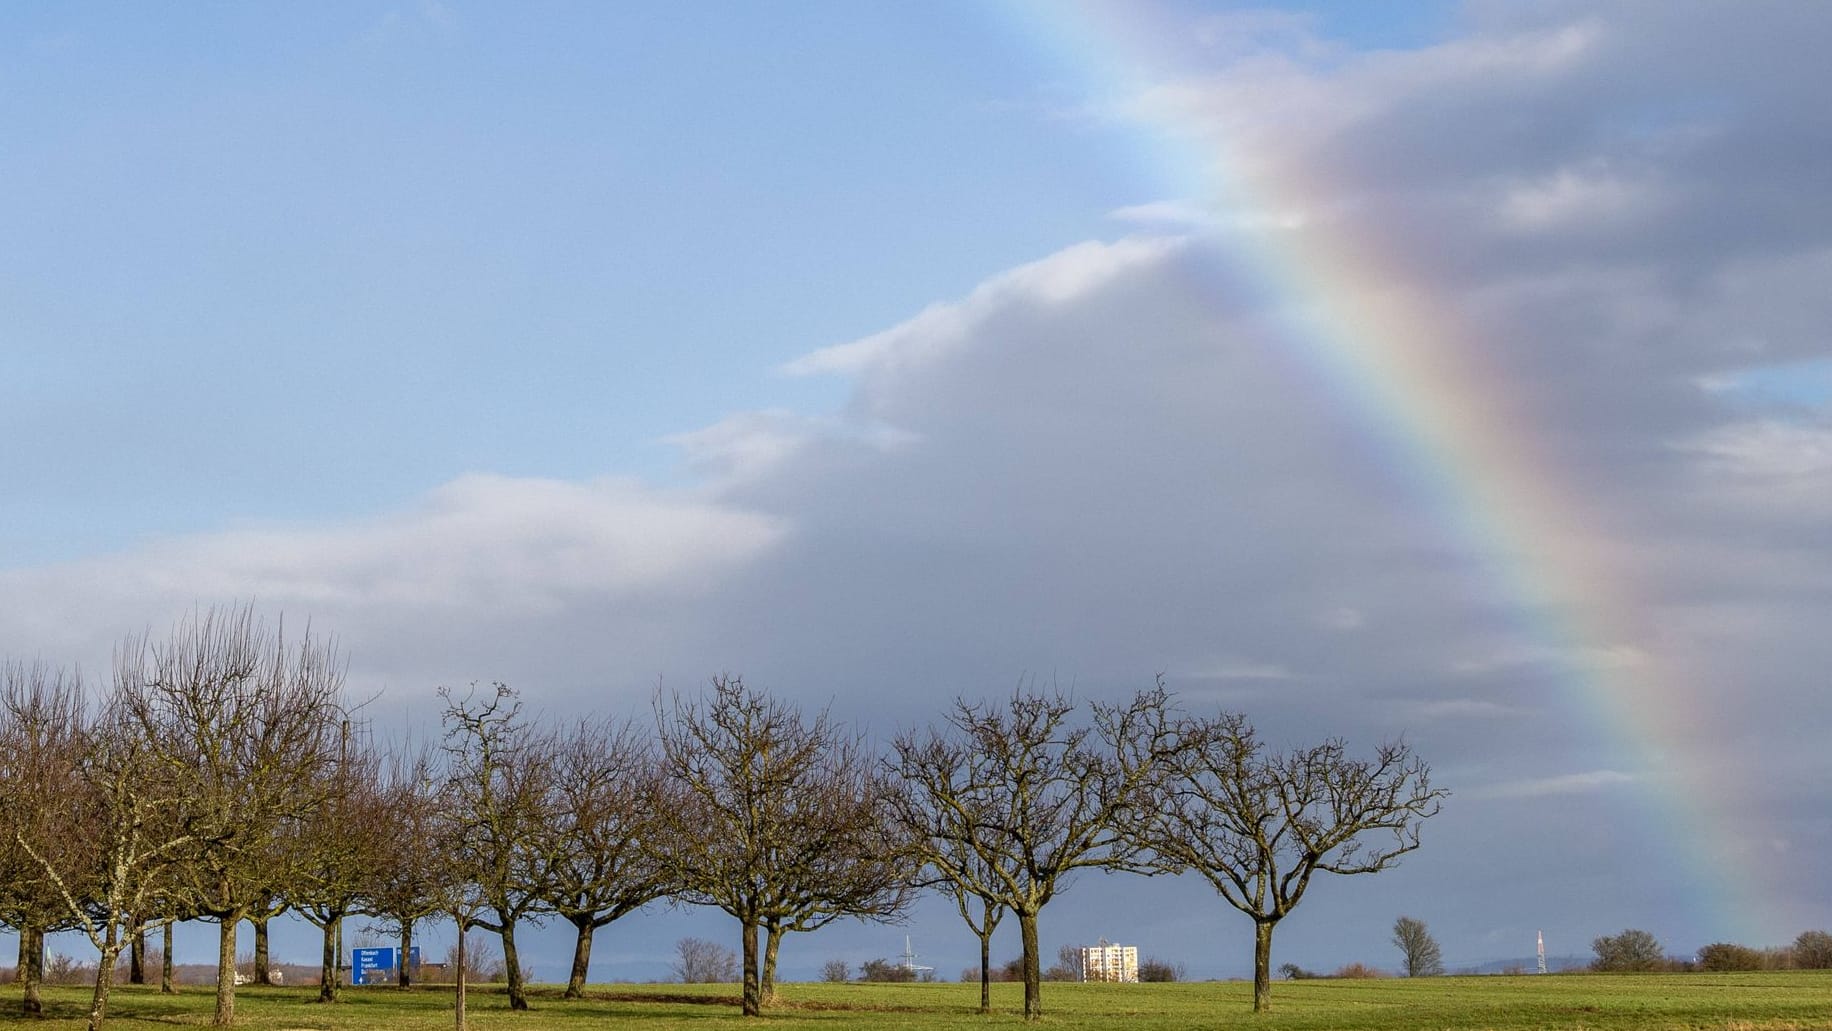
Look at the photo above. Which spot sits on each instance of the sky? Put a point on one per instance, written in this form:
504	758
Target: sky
1453	373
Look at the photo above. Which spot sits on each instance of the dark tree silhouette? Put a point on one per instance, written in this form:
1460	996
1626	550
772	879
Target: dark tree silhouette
607	796
1006	801
1632	950
500	787
1258	825
775	819
1418	947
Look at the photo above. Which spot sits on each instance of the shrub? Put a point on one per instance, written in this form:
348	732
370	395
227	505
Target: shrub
885	970
1813	950
1357	971
1293	972
1726	956
1156	970
62	969
1632	950
835	971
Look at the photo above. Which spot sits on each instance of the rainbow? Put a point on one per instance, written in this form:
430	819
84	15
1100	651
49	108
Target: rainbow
1402	361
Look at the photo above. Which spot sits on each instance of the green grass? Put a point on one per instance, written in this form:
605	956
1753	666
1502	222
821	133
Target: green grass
1731	1002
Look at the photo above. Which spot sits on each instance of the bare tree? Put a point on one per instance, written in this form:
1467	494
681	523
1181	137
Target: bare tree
246	722
1420	949
111	855
774	819
499	776
990	910
340	849
607	794
1258	825
1007	801
42	741
268	903
1813	950
408	883
847	860
698	961
461	900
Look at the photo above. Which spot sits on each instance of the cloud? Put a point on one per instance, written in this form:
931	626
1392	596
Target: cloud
1583	199
1777	453
421	22
1593	659
1545	787
1459	708
480	550
1058	279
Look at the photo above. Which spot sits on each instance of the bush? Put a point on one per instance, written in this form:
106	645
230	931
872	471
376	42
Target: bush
1293	972
62	969
1632	950
835	971
885	970
1156	970
1725	956
1356	972
1813	950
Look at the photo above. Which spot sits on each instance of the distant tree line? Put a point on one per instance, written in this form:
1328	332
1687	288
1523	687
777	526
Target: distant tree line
222	774
1639	951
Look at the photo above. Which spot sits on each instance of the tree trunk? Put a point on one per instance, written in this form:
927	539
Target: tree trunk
136	956
104	976
986	972
458	1006
582	957
1262	966
225	971
166	986
327	959
753	1006
1033	967
261	975
512	962
772	942
31	970
405	977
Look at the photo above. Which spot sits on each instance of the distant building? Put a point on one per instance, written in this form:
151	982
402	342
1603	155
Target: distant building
1108	962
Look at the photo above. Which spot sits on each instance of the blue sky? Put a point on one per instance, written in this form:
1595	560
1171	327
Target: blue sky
887	353
531	240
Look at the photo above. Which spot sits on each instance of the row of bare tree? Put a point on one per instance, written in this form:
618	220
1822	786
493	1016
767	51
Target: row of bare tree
189	789
221	776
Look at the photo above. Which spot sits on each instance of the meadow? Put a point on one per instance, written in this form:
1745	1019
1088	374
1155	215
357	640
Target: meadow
1734	1002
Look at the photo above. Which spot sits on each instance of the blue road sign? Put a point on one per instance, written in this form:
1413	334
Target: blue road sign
372	966
378	966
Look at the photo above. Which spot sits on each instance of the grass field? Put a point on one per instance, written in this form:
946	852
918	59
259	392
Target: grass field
1735	1002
